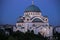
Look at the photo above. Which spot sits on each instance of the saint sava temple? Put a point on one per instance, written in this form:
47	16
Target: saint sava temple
33	20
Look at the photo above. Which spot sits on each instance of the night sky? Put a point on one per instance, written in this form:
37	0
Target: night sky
10	10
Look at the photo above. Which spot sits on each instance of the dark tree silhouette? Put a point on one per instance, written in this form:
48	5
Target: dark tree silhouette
29	35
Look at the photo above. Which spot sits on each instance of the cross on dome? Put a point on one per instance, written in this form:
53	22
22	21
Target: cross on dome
32	2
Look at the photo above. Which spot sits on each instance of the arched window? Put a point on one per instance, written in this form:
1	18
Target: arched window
27	19
34	25
37	20
19	25
46	19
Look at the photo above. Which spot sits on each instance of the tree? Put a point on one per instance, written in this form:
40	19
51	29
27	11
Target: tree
11	38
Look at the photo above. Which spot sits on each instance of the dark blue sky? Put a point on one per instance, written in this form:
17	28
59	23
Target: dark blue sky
10	10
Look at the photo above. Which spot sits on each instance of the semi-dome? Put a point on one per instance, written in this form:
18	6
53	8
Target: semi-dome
32	8
37	20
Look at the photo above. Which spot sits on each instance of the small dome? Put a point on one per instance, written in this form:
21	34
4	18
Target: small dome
32	8
20	21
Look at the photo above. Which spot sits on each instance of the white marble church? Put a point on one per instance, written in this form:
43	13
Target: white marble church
33	20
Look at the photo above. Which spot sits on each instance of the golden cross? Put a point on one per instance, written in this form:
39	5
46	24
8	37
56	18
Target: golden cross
32	2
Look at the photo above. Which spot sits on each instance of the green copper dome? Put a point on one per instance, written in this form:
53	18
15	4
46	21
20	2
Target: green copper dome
32	8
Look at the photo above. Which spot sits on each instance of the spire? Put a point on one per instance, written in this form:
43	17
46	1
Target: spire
32	2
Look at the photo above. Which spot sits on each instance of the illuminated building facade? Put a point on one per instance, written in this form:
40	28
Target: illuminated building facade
33	20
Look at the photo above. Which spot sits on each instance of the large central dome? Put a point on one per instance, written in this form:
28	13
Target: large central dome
32	8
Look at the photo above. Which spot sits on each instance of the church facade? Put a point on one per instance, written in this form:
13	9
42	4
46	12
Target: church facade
33	20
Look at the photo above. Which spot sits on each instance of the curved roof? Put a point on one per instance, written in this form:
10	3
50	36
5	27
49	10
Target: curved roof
20	21
37	20
32	8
